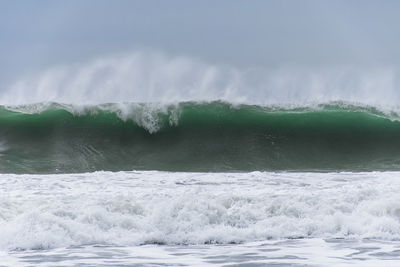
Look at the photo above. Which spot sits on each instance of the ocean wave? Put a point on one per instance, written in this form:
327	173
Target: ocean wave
198	136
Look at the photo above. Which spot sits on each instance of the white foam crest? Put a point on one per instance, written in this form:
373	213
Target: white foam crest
129	208
146	115
155	77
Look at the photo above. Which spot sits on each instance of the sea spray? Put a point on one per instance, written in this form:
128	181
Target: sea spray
149	77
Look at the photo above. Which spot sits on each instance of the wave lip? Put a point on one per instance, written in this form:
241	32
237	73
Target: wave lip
198	136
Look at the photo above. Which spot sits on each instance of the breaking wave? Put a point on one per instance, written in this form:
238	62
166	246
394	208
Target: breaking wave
197	136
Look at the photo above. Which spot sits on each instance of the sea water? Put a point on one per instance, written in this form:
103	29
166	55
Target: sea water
199	219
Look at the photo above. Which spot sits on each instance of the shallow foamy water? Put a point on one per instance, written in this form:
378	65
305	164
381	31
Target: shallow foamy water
163	218
301	252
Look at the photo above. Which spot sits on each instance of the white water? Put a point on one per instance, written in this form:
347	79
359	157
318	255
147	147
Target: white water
155	77
134	208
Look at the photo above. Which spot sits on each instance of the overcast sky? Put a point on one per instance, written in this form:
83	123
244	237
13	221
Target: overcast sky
38	34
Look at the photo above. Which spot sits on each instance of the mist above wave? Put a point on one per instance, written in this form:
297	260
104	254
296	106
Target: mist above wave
155	77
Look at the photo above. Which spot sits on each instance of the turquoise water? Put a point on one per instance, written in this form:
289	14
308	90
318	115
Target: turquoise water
212	137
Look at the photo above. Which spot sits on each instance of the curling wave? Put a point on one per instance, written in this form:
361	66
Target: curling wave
197	136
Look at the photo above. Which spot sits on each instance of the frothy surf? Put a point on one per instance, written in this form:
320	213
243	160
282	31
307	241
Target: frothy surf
133	208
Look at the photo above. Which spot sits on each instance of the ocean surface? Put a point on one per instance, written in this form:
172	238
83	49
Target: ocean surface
199	183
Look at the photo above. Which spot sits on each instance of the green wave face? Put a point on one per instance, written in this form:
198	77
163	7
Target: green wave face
197	137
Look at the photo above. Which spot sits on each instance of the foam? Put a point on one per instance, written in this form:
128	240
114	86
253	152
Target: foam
131	208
